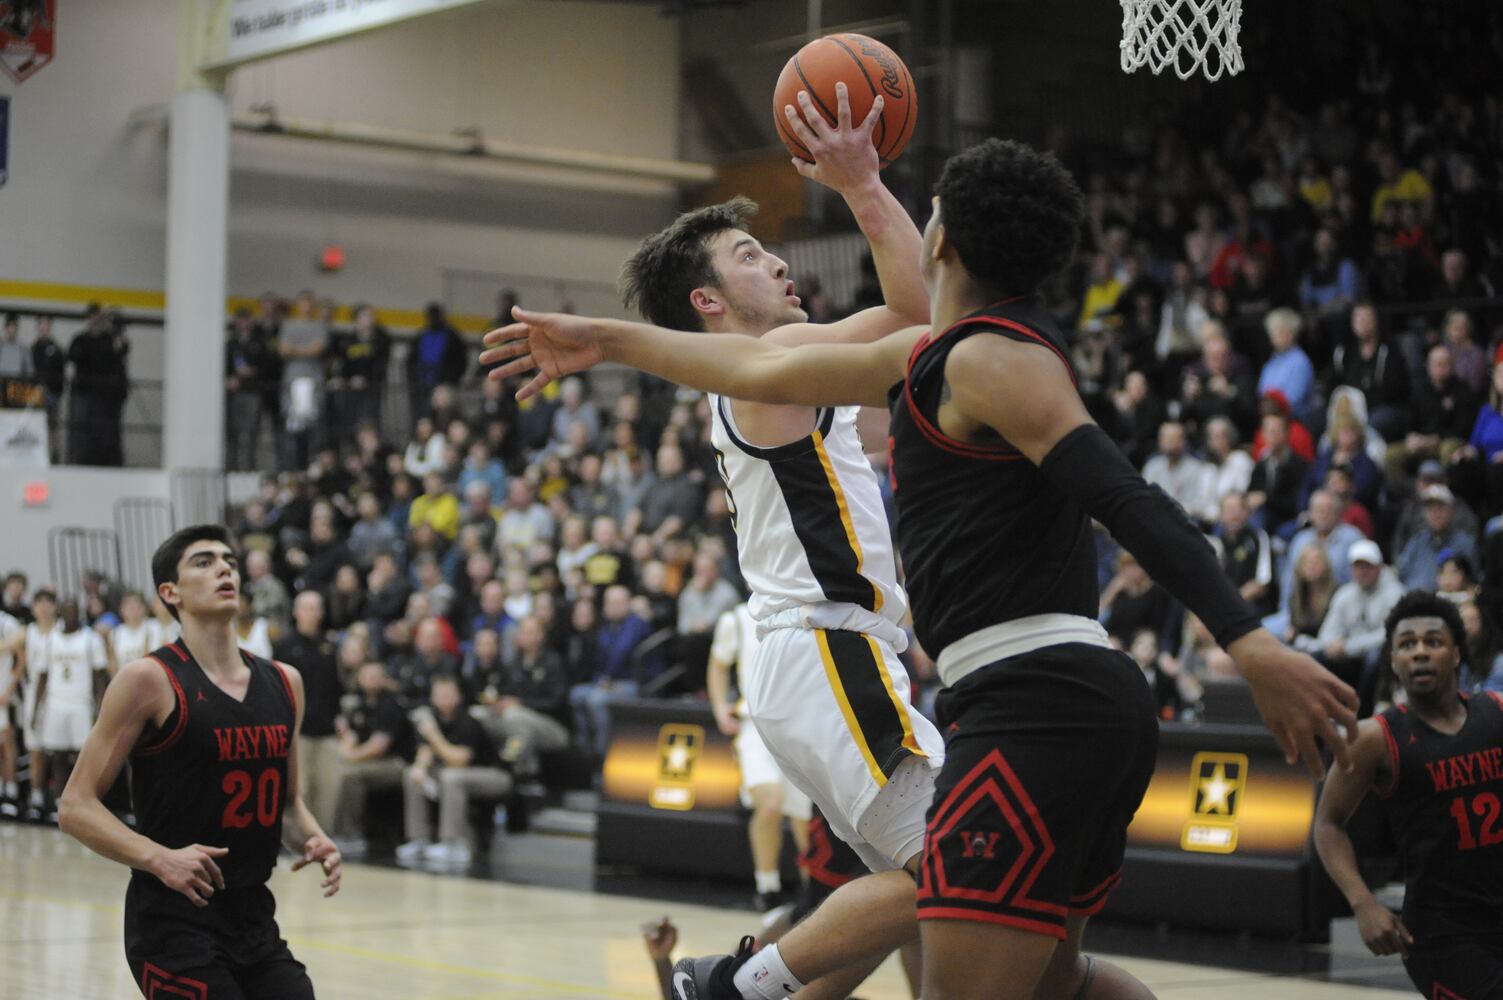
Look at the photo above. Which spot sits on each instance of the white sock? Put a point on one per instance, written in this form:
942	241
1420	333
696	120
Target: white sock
36	797
12	789
766	977
769	882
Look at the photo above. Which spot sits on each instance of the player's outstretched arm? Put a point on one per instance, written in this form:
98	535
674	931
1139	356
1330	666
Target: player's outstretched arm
139	694
742	367
1023	392
1381	929
301	834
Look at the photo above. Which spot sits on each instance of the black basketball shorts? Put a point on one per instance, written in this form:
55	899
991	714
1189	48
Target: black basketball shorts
228	950
1462	968
1047	757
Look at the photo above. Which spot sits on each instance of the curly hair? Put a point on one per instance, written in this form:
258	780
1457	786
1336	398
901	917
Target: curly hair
1426	604
659	275
1013	214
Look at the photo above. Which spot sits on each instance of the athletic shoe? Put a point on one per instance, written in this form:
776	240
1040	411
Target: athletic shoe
767	901
9	809
712	977
447	854
411	852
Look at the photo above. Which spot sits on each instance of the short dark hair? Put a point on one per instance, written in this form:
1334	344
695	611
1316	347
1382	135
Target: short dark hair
1012	213
659	275
44	594
165	559
1426	604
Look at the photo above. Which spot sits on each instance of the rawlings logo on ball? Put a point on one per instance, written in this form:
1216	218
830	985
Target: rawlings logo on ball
890	77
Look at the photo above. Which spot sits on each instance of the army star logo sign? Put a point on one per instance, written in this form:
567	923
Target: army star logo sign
1216	784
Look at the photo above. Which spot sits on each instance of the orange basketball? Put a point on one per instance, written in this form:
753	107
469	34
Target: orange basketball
868	68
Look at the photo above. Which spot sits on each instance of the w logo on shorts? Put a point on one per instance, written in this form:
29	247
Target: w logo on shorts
158	984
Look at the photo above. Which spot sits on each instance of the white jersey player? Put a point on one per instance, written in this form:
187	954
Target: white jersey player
764	790
12	662
66	682
136	635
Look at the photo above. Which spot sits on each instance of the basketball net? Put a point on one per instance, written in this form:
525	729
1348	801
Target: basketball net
1188	35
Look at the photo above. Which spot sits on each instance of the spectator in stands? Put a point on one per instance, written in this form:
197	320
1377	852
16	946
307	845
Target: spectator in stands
1456	579
480	466
1479	471
455	761
431	584
1246	554
1101	294
1346	449
574	410
252	632
1339	483
1218	384
672	502
363	357
1137	416
1442	412
386	589
1181	475
528	702
1231	467
1351	636
269	599
1483	670
346	598
245	366
480	514
1132	601
619	634
319	559
318	746
1421	556
302	343
1182	319
1172	690
429	659
436	507
50	365
1398	184
1456	282
425	453
524	521
1288	369
1331	283
1467	359
371	534
375	745
701	602
15	358
1378	372
436	356
1325	529
100	386
1274	488
1310	592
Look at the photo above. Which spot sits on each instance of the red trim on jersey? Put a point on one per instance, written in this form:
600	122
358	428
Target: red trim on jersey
986	916
286	683
937	437
1393	758
182	715
180	652
1497	698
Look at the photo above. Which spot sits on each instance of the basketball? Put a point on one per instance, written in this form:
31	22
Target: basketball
868	68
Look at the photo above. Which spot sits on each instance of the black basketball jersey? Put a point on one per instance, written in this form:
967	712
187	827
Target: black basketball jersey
985	538
216	771
1445	804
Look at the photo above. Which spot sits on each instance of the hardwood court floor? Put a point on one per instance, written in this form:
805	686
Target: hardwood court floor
415	936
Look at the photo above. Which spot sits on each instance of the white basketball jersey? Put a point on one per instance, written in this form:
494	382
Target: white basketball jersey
133	643
810	526
9	626
736	642
70	667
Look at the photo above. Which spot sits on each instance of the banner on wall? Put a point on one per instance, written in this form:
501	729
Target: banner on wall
23	439
28	36
245	30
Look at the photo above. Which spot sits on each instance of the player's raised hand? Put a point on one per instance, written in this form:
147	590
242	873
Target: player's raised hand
1300	701
556	344
1382	930
844	155
322	850
660	937
191	871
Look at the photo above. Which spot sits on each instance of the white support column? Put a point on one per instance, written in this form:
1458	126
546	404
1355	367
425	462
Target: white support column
198	206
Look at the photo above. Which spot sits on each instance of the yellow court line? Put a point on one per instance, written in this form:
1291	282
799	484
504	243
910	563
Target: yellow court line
434	965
